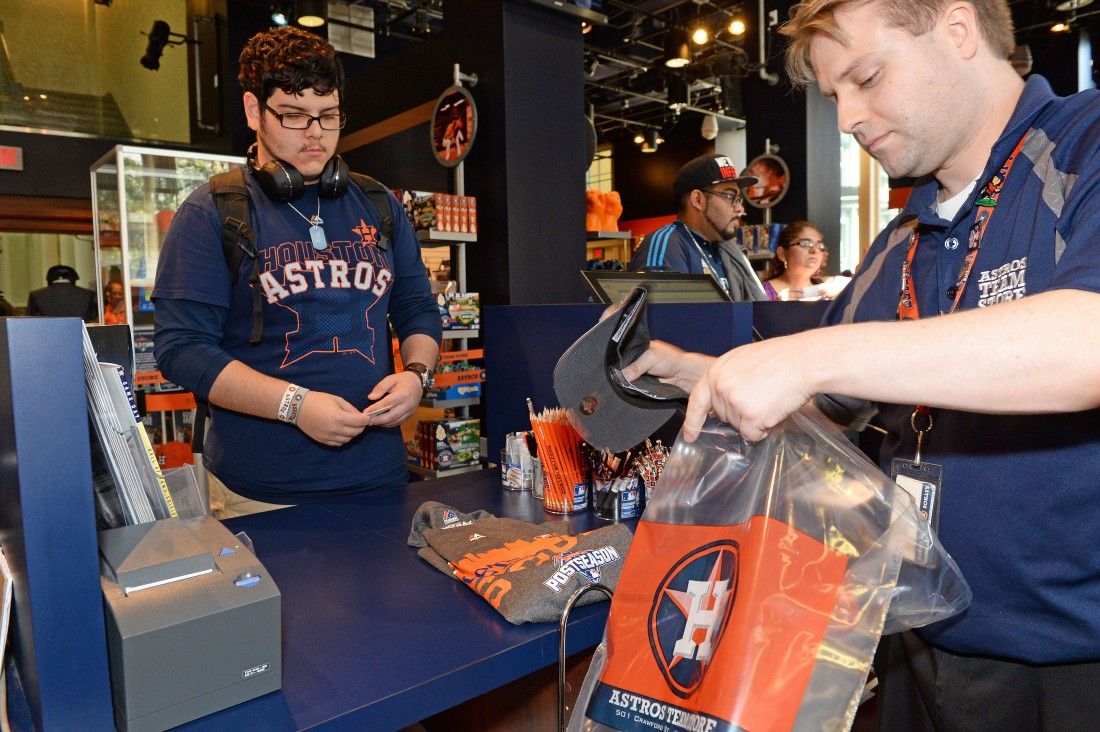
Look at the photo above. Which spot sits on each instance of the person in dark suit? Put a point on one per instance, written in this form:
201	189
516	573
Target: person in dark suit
62	297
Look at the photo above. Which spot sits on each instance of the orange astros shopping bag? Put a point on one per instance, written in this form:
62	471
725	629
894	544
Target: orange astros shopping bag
758	584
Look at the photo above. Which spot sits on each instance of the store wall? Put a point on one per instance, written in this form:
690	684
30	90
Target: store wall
53	165
526	166
644	180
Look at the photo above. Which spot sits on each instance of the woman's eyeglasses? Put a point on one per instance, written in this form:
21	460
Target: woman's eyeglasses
809	245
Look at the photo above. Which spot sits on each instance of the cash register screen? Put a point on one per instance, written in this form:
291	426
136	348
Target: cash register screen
663	287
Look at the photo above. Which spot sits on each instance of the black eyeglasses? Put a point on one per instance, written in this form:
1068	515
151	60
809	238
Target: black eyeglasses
733	198
302	121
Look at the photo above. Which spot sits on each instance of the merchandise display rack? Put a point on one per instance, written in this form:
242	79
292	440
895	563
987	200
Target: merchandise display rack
458	340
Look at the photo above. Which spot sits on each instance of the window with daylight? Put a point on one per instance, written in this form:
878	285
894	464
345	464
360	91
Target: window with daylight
599	172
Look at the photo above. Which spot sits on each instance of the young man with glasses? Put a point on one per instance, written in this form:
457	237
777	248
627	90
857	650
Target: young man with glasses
311	412
709	206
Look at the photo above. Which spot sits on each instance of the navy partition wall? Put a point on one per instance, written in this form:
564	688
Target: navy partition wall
524	342
47	525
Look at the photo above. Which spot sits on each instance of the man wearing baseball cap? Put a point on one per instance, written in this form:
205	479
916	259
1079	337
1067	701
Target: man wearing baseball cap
709	206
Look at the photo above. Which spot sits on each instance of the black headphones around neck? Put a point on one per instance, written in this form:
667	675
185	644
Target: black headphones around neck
282	182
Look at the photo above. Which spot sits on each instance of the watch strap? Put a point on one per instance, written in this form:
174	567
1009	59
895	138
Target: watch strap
422	371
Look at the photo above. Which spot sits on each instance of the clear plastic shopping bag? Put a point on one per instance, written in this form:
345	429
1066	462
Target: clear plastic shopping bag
759	582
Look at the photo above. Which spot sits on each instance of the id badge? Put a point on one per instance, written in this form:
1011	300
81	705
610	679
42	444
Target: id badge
924	482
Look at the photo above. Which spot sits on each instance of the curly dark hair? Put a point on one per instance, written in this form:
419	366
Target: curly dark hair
290	59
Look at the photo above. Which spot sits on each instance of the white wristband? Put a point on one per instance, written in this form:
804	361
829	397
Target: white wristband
291	403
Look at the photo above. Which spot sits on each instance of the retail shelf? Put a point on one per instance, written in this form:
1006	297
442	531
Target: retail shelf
593	235
466	333
450	403
429	473
431	236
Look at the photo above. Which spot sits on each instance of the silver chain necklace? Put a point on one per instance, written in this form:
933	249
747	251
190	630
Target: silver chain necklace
316	233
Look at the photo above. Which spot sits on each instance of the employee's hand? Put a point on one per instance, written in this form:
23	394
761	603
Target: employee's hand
394	399
670	364
752	388
329	419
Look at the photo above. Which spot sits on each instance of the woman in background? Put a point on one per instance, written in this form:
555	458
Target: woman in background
799	254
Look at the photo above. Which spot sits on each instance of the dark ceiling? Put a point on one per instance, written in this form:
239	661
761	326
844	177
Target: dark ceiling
627	84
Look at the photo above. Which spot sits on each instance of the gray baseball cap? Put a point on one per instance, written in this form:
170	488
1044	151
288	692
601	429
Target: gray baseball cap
608	411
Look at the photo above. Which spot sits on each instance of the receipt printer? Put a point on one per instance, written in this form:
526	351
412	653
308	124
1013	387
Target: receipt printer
193	622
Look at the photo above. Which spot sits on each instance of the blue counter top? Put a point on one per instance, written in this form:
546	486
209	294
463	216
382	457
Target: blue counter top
375	637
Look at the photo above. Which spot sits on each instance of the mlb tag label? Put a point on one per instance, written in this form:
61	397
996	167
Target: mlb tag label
734	617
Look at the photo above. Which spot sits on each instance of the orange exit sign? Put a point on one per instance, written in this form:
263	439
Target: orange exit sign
11	157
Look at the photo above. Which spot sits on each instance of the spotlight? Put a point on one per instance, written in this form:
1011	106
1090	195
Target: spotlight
709	128
651	141
639	139
700	35
677	51
160	36
1059	28
737	27
1072	5
310	13
677	92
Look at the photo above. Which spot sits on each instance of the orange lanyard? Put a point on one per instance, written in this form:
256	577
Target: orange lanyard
987	204
907	301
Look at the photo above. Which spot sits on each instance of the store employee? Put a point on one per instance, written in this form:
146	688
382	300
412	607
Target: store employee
709	206
312	411
971	322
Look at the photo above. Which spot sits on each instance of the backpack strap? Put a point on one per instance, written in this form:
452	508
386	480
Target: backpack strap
233	203
379	198
232	200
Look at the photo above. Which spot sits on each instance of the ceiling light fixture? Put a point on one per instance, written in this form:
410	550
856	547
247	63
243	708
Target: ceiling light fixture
737	27
677	50
651	141
160	36
1059	28
310	13
700	35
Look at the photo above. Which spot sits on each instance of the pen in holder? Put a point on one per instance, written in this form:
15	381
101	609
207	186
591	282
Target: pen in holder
565	489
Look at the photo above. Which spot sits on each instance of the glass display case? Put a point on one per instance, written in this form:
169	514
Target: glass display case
135	194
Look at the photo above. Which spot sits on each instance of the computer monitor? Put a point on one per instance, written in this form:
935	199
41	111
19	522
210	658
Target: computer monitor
662	287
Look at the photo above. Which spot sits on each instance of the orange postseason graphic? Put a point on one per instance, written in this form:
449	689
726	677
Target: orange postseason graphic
733	619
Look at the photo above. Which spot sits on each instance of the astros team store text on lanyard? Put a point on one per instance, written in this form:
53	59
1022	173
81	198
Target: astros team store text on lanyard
921	479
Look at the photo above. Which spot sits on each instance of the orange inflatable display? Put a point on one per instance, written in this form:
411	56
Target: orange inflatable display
594	210
612	210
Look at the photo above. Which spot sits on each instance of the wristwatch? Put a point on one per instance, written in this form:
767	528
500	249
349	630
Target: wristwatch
427	376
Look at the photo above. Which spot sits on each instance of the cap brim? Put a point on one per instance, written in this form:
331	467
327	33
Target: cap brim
608	413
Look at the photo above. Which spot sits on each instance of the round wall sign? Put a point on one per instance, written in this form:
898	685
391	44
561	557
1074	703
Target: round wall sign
773	179
454	125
